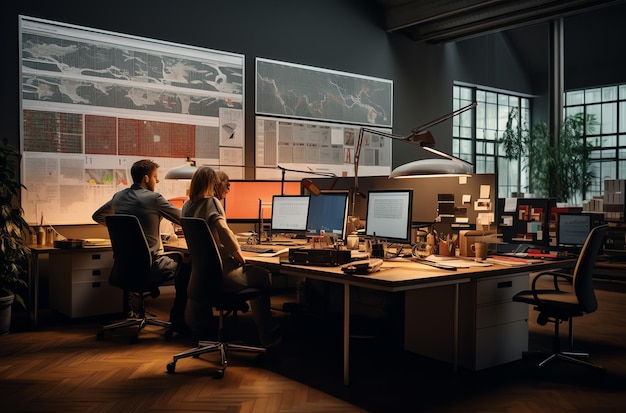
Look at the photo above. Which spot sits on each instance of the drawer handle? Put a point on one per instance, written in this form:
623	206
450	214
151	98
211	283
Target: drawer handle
505	284
95	285
95	256
95	273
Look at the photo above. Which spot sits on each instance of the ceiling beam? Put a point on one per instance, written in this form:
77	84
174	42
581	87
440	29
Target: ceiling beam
440	21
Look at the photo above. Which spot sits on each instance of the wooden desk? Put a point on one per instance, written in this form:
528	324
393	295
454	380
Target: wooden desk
411	278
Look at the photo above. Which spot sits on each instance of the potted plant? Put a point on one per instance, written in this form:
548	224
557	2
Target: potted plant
514	142
561	171
558	171
13	234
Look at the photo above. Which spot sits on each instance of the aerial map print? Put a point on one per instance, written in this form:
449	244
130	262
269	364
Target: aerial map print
297	91
99	73
93	102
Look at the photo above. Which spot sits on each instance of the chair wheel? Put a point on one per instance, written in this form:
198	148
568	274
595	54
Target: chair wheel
219	374
168	334
133	339
100	335
171	367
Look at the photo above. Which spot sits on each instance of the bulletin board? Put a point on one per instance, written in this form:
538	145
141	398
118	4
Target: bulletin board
525	220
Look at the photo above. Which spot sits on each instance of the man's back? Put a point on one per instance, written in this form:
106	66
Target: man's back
148	206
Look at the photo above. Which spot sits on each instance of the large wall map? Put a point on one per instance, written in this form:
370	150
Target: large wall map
303	92
94	102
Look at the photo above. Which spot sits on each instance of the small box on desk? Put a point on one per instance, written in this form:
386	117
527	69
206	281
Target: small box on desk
69	243
322	257
468	237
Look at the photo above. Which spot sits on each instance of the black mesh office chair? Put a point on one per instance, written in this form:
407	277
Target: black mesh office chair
562	304
132	270
204	293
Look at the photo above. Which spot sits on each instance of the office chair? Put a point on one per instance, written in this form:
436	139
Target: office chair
204	294
556	305
132	267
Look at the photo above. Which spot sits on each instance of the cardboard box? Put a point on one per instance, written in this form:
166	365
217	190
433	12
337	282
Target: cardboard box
468	237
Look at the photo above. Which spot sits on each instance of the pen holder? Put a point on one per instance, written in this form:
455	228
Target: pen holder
446	248
41	236
378	250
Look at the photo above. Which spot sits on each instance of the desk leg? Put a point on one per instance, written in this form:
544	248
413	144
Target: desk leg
33	287
346	334
455	359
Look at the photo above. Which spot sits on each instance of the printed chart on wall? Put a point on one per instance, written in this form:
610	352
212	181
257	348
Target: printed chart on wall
309	119
94	102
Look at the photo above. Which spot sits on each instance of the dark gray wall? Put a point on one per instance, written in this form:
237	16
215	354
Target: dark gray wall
343	35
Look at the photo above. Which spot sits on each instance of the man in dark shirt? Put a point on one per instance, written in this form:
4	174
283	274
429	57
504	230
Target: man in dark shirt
150	208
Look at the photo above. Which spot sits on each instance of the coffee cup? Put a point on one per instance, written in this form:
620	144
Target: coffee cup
352	242
480	250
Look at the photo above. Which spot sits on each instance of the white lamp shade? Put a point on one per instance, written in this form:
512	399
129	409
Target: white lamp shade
428	168
182	172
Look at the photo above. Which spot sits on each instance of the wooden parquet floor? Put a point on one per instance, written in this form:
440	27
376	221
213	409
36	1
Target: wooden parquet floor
61	367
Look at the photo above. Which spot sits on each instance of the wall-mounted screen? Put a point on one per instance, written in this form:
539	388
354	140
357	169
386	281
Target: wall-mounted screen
289	213
389	213
328	212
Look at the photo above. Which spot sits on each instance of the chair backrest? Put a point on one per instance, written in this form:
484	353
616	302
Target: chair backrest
206	263
132	260
583	272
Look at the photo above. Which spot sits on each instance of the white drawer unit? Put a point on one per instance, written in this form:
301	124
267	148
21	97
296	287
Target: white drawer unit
501	324
493	329
79	284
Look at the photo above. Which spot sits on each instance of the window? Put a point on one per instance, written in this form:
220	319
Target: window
475	134
607	107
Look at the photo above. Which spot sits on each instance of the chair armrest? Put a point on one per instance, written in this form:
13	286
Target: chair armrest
555	278
175	255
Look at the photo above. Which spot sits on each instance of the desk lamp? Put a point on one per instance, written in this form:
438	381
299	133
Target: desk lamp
307	183
450	166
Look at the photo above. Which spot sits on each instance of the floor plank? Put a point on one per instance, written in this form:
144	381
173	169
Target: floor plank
62	367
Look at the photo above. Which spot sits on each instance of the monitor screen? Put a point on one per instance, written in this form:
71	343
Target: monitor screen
572	229
289	213
388	214
328	212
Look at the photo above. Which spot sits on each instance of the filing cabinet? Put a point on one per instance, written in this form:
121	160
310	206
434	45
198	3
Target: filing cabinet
501	334
79	284
492	329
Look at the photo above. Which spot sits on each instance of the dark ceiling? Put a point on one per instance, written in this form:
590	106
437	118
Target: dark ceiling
441	21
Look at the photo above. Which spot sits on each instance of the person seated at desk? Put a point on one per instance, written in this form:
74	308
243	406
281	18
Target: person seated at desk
150	208
222	188
237	274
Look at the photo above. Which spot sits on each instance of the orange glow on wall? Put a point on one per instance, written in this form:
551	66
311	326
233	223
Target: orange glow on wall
242	202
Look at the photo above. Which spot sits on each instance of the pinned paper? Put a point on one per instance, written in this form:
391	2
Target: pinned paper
484	219
510	205
466	199
485	191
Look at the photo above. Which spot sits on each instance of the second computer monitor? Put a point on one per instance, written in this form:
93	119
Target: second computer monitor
289	213
328	212
389	213
573	228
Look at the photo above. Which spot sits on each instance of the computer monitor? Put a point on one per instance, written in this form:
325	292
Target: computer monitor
328	212
289	213
389	213
573	228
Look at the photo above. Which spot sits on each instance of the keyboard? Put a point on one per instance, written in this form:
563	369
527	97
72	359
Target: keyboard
258	248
